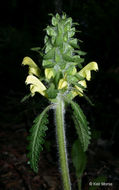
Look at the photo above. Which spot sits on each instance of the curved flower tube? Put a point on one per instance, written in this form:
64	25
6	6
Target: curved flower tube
33	68
62	84
49	73
86	71
35	85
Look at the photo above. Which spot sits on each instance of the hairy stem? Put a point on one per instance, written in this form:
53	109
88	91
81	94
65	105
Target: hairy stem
62	143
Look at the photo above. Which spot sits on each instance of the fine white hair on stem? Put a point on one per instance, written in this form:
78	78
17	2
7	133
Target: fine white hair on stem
59	112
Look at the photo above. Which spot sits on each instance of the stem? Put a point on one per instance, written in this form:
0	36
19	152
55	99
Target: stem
62	143
79	182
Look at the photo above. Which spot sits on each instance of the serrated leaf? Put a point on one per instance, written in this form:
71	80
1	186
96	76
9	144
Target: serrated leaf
81	125
36	138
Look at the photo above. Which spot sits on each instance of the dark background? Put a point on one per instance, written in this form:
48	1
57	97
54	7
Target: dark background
21	28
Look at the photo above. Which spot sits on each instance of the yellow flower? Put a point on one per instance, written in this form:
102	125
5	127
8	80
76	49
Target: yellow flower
35	85
86	71
49	72
33	68
62	83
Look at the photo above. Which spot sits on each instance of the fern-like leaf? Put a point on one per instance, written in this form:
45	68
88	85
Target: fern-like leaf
81	125
36	138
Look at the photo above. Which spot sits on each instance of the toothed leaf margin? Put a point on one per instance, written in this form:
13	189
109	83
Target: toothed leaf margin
82	125
36	138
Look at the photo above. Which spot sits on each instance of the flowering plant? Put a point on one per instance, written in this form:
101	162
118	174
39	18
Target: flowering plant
63	78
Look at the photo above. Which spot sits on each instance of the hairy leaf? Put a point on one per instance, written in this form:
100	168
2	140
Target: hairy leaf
36	138
81	125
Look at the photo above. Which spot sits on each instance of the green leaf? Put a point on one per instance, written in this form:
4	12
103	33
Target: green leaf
36	138
76	58
78	158
51	31
81	125
74	43
80	52
58	56
88	99
48	63
25	98
79	85
81	60
70	69
38	50
68	58
85	96
54	21
79	77
58	76
50	54
51	91
72	79
35	49
59	40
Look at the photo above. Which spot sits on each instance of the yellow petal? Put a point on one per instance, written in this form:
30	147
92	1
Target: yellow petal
28	61
36	85
49	73
34	89
86	71
62	84
33	68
